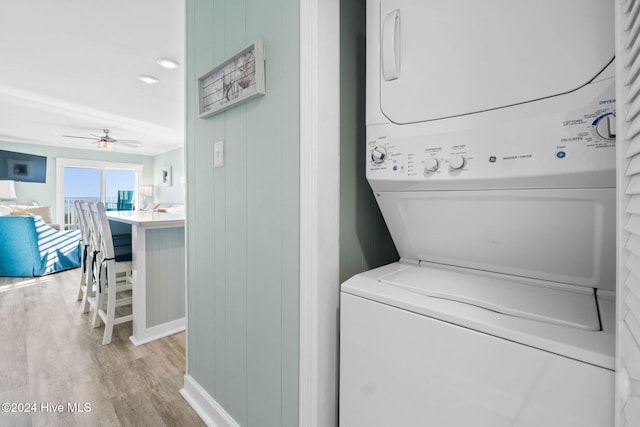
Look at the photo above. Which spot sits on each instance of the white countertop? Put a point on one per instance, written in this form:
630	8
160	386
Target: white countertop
147	218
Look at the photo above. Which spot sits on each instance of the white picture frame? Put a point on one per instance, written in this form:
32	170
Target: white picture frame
233	81
165	176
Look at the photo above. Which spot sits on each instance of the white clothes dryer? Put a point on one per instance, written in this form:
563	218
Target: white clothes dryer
491	153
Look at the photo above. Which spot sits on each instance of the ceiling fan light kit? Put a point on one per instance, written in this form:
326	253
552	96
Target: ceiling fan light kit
104	144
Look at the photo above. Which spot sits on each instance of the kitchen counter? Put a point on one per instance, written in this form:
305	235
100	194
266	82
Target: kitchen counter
159	273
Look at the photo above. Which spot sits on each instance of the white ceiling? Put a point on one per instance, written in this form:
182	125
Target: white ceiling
71	67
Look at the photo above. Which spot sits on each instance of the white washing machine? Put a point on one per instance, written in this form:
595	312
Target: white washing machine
491	153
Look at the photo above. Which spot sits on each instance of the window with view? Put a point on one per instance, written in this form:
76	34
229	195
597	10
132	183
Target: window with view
113	184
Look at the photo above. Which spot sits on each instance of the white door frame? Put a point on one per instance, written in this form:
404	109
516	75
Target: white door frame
319	211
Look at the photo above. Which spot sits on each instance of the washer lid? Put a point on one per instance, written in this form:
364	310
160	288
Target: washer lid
554	235
448	58
557	304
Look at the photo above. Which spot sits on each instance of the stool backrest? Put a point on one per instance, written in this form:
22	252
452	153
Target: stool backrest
101	222
94	235
84	227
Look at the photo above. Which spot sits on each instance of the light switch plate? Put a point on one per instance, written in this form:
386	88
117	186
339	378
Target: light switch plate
218	154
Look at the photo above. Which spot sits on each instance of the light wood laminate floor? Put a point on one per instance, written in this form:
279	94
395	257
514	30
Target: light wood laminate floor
50	356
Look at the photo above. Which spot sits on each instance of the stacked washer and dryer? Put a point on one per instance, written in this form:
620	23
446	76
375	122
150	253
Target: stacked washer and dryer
491	153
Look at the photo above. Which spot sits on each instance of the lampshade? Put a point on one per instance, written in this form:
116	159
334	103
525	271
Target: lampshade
147	190
7	190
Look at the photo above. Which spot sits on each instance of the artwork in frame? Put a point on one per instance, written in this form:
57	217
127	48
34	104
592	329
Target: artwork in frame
235	80
165	176
19	169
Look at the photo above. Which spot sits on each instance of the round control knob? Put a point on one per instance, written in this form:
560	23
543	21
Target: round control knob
431	164
606	127
456	162
378	155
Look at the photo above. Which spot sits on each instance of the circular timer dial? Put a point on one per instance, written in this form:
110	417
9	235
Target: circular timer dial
456	162
605	126
431	164
378	155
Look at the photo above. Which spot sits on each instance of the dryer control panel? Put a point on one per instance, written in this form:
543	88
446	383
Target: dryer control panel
545	144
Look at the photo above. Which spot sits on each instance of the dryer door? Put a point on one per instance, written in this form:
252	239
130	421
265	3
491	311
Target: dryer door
443	58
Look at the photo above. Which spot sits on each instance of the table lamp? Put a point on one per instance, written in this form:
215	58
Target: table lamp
7	190
147	196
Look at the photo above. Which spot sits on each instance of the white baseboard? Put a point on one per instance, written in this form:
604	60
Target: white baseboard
159	331
205	406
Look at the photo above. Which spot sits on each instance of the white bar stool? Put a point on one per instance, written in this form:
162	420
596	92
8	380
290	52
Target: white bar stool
114	275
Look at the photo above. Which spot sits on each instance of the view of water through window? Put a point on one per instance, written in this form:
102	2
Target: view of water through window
87	184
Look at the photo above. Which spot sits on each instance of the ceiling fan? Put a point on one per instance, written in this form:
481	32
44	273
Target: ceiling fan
105	141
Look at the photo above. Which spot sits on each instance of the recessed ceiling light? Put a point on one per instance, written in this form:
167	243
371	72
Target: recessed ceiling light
148	79
167	63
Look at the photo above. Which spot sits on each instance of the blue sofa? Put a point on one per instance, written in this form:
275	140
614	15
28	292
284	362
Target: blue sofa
29	247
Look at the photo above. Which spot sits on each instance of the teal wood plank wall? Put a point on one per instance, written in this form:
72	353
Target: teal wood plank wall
243	219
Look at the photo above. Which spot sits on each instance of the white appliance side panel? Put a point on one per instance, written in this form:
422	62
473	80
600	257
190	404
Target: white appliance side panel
402	369
454	58
564	236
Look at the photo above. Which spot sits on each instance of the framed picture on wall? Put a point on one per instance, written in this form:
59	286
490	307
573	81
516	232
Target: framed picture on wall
237	79
165	176
19	169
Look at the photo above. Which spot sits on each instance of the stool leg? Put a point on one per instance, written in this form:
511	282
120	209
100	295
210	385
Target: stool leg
111	306
83	278
99	299
88	285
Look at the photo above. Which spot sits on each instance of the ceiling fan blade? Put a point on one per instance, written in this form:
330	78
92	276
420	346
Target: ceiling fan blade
128	144
81	137
97	136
